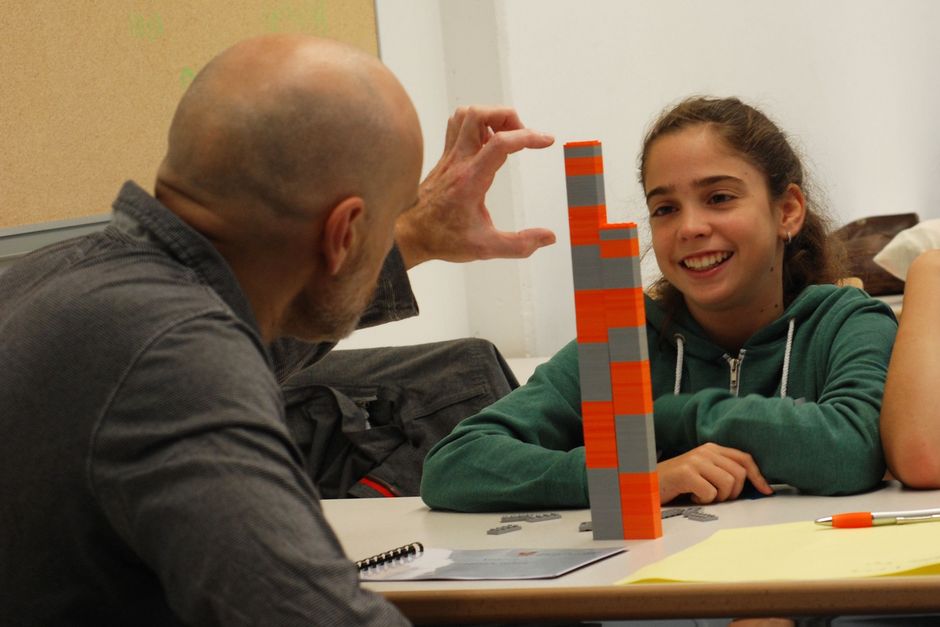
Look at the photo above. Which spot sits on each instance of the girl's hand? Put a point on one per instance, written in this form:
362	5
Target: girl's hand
710	473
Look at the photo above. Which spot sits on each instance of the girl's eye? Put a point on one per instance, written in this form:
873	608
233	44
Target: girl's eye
720	197
661	210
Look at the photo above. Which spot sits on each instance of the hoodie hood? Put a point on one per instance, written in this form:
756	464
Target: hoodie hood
765	359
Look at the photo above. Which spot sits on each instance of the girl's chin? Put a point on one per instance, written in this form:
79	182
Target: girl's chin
713	299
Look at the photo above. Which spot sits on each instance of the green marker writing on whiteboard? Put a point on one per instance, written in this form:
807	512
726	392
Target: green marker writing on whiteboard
147	27
186	76
308	16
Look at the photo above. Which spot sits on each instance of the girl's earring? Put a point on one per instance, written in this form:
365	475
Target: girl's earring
789	238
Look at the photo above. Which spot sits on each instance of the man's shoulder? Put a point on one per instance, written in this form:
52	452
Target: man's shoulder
82	302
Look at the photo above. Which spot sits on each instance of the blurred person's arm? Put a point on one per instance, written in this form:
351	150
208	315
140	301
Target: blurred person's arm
910	413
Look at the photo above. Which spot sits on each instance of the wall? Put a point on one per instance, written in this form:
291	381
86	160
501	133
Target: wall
446	54
852	81
411	44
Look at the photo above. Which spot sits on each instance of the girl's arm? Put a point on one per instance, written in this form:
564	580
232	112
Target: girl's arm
527	451
910	415
524	451
825	445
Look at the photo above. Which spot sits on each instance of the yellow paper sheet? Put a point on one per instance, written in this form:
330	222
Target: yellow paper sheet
801	550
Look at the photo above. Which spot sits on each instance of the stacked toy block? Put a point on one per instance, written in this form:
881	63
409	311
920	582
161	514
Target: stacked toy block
613	358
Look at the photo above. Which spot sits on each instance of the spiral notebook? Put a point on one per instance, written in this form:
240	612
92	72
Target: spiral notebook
413	562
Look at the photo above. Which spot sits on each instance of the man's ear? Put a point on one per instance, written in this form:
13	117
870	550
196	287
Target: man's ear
792	211
340	233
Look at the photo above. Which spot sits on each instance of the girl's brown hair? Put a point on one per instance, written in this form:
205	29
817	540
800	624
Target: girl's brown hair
811	257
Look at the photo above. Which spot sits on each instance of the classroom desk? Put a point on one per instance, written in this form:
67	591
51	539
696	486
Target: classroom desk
369	526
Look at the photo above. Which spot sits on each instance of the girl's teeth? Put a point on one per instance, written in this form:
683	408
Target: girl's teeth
705	261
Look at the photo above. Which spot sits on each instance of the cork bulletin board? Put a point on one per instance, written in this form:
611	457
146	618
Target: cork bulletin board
88	87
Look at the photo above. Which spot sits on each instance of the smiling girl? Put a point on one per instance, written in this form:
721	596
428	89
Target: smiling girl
763	370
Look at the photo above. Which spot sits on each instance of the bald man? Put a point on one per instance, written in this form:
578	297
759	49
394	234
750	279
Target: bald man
146	473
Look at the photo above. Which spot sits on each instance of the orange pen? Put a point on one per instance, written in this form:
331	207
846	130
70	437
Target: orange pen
851	520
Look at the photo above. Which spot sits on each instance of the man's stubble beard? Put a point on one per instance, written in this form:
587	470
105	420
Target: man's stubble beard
333	312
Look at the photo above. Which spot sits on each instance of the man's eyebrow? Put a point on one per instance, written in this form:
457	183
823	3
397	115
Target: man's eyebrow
705	182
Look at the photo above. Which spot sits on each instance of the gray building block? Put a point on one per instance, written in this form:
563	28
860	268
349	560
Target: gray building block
627	344
619	272
604	492
496	531
583	151
586	267
636	443
626	232
594	372
585	190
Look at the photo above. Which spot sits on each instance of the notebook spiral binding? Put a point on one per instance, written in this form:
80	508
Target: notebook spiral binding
391	556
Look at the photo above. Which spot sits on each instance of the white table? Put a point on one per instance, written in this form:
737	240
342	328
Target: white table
369	526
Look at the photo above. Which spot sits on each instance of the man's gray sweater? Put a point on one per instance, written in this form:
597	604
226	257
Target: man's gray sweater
146	473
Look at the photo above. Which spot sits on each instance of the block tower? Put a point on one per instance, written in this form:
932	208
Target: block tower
613	358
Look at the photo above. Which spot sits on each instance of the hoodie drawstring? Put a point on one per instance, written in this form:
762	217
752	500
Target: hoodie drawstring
680	356
680	352
786	359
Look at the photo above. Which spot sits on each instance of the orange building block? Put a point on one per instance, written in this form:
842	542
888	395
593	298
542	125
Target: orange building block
619	248
590	315
600	436
581	166
625	307
584	224
630	381
584	142
639	505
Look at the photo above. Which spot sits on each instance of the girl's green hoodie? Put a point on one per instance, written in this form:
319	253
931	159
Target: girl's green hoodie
802	397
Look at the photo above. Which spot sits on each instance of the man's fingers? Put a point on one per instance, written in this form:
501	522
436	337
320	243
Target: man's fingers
517	245
477	126
454	125
494	153
497	118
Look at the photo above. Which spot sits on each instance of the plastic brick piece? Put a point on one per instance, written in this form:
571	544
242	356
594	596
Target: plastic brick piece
584	223
700	516
627	344
636	443
586	190
581	166
594	371
606	518
624	307
600	435
586	267
631	385
618	273
531	517
496	531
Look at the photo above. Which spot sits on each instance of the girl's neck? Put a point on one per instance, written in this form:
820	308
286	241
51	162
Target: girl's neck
732	328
